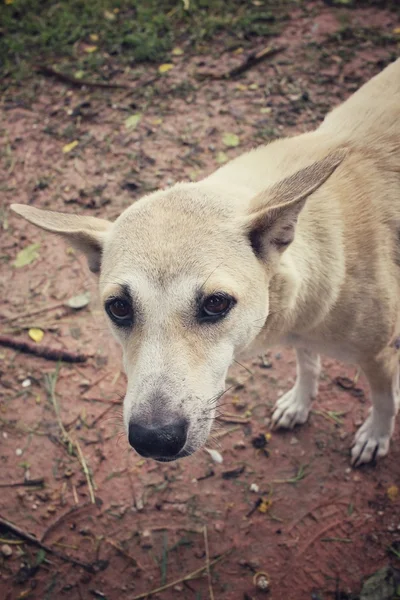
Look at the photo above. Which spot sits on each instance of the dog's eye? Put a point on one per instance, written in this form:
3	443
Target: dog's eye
120	311
216	306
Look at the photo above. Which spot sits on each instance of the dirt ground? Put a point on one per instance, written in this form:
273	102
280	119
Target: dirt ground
287	504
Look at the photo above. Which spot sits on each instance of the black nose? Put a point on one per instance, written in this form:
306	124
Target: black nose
158	441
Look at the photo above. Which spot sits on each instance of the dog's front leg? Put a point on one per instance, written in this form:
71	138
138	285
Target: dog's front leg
373	438
293	407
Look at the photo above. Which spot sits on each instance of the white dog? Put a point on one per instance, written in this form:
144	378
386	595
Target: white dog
295	242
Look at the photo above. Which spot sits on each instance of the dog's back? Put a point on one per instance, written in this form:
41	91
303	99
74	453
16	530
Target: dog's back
371	115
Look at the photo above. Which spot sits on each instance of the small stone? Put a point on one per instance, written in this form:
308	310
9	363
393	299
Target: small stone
294	441
146	541
261	582
254	488
240	445
26	383
6	550
18	452
219	526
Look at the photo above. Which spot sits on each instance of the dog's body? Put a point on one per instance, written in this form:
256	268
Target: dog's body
297	242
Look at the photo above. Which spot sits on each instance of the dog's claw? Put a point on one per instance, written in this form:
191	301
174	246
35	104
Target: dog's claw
291	409
371	441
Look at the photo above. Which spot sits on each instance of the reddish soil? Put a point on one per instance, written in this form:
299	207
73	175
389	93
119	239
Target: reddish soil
319	536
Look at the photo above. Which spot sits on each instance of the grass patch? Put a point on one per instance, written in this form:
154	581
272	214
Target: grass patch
86	34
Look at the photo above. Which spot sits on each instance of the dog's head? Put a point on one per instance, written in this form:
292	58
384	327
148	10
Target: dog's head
184	277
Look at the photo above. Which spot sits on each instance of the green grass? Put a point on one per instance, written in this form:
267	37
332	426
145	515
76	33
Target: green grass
129	31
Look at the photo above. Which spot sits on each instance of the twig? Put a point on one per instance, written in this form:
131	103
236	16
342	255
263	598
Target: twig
32	313
221	434
50	72
103	414
232	419
42	351
253	59
86	471
187	577
51	382
32	540
210	588
26	483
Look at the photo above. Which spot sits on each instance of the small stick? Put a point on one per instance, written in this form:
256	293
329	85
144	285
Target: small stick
51	382
210	588
86	471
42	351
32	540
32	313
50	72
26	483
182	579
233	419
253	59
221	434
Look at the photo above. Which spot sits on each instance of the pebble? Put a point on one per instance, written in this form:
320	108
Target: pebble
294	441
6	550
26	383
219	526
254	488
18	452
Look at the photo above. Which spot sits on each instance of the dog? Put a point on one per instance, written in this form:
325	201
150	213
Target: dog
296	242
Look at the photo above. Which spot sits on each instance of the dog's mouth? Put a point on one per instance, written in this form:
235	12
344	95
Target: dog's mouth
165	459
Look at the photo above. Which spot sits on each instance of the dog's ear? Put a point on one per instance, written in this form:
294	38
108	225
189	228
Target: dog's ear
87	234
272	222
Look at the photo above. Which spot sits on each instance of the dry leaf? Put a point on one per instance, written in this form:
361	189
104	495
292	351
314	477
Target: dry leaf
132	121
231	140
109	15
68	147
264	505
177	51
79	301
221	158
396	30
393	492
215	455
165	67
27	256
90	49
94	37
36	334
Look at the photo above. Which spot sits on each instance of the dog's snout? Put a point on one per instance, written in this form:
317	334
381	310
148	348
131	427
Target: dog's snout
158	441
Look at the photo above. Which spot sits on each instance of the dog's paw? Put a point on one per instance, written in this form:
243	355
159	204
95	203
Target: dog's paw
371	440
291	409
